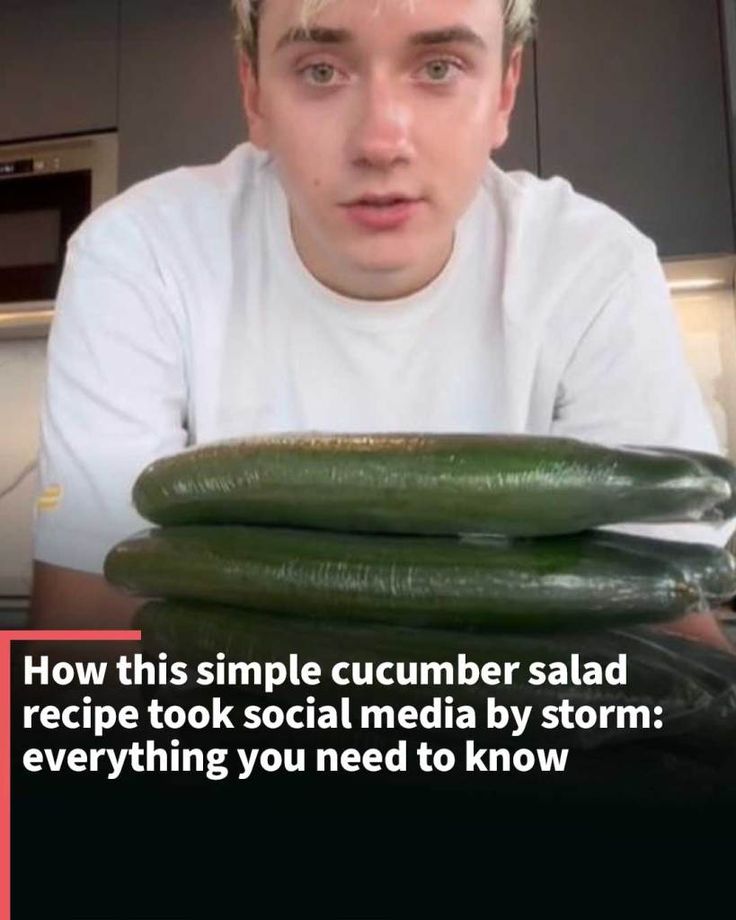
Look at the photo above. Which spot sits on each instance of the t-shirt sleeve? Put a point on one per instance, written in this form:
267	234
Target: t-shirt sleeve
628	383
115	396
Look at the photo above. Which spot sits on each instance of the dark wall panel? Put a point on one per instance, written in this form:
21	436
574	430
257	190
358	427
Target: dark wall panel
58	67
179	95
632	110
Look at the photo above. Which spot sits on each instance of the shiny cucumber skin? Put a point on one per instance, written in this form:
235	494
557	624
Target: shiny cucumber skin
516	485
488	583
717	465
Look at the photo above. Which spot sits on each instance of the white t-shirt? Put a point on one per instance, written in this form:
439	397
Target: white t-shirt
185	315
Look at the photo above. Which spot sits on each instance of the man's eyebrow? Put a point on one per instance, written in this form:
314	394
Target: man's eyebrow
317	35
447	36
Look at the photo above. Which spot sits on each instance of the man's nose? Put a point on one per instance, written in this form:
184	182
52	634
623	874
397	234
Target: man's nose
381	134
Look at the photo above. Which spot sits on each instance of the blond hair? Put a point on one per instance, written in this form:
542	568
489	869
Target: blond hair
519	21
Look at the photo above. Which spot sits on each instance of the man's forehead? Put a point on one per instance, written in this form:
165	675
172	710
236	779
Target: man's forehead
310	8
302	19
305	11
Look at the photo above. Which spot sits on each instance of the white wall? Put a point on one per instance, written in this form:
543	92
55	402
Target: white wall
22	367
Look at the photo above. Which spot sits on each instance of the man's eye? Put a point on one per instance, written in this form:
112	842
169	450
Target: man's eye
319	74
441	70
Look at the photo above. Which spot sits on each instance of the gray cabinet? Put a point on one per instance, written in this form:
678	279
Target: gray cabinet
728	24
520	151
58	67
179	93
632	109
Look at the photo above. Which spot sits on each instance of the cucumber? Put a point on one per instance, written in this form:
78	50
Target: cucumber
517	485
582	580
716	465
692	682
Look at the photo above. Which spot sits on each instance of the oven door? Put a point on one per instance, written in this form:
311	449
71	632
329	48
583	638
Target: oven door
47	188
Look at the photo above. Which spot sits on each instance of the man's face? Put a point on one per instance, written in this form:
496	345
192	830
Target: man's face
380	120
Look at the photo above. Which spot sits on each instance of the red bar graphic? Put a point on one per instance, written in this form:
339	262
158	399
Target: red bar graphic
40	635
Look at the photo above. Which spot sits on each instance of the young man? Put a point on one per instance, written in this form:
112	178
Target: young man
361	265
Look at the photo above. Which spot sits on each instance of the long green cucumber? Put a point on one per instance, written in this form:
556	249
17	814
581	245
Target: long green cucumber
583	580
518	485
695	685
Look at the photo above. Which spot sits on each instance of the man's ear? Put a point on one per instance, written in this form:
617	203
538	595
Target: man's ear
251	91
509	88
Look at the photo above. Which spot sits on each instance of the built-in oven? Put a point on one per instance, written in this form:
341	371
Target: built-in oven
47	188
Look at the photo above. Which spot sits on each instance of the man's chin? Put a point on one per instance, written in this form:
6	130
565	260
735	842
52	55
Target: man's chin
385	268
383	280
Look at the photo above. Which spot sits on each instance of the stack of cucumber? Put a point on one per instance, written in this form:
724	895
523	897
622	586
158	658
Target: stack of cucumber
482	532
422	547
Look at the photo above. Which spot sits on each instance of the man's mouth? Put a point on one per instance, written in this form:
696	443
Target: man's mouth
383	201
383	212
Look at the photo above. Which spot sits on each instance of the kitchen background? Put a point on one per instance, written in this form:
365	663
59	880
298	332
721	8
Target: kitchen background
633	101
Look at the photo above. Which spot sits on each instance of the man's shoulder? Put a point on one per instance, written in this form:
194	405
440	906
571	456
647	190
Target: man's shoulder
564	255
186	198
549	216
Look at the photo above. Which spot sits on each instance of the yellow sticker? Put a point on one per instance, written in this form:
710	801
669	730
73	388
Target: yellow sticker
50	498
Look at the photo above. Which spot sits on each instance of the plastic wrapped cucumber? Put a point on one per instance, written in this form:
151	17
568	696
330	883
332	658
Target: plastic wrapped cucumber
578	581
518	485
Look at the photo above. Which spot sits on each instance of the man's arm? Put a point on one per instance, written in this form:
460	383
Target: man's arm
69	599
701	627
116	399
